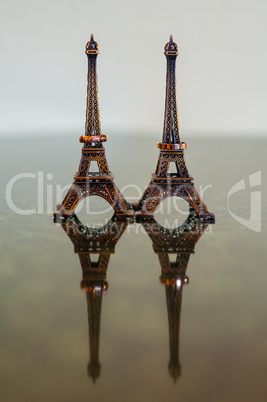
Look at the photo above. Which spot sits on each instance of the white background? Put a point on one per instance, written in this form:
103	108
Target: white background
221	67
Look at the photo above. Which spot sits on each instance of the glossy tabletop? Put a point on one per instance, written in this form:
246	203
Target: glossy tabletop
219	350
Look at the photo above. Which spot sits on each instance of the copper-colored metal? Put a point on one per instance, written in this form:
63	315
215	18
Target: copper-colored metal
88	242
164	184
165	146
180	242
87	183
92	138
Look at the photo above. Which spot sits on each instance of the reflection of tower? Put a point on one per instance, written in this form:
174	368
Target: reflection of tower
164	184
94	301
94	247
179	243
100	183
174	290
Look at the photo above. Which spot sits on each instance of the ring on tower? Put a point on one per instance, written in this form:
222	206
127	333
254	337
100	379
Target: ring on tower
180	183
99	183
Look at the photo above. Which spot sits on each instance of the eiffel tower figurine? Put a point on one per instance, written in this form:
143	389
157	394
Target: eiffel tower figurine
89	243
87	183
164	184
180	242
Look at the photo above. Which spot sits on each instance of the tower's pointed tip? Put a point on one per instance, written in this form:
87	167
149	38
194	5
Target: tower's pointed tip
171	47
91	46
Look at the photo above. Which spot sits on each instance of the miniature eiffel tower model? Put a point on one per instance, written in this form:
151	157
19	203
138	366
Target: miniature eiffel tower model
164	184
87	183
180	242
99	243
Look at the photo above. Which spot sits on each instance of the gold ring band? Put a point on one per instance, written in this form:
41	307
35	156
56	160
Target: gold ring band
93	138
165	145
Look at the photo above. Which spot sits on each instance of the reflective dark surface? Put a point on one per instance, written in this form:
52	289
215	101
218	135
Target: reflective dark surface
213	343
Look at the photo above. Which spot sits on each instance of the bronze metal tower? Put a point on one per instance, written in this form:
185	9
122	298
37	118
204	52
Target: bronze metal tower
100	183
164	184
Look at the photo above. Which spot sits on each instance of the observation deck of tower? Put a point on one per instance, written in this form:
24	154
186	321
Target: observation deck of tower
87	182
163	183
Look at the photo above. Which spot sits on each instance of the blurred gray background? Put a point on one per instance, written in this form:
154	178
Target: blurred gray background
221	67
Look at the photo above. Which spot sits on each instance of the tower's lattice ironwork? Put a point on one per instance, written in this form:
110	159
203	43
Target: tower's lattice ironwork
179	183
100	183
